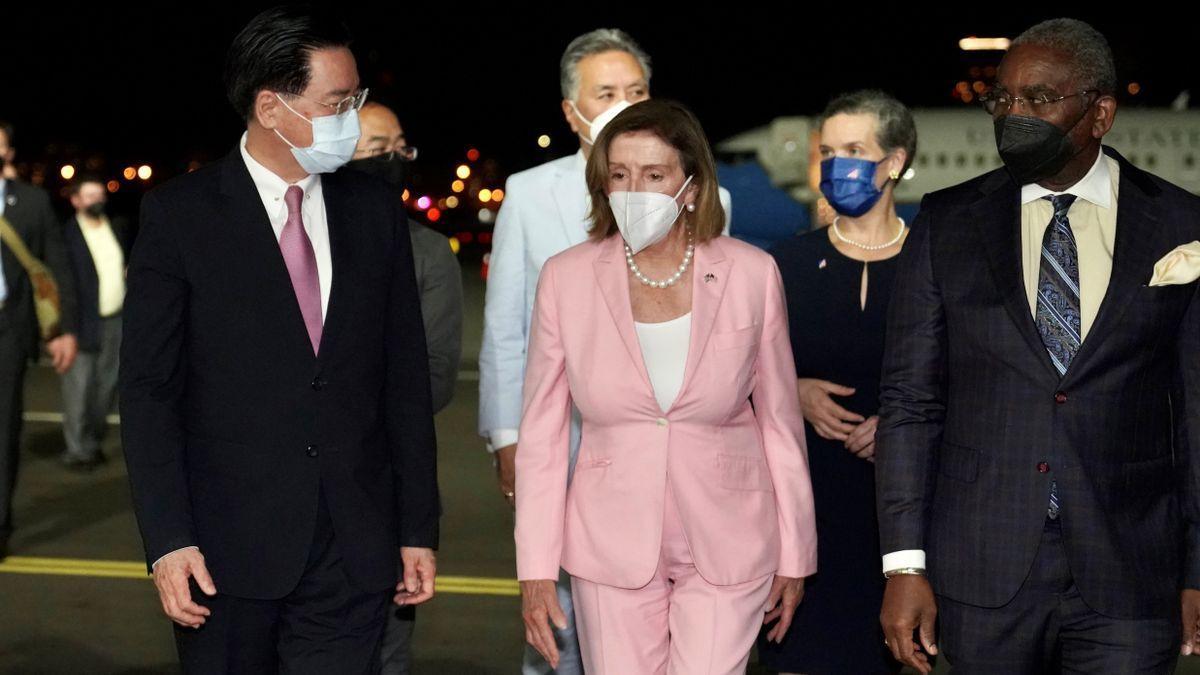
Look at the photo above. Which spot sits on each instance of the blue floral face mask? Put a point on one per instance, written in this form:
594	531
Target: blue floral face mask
849	184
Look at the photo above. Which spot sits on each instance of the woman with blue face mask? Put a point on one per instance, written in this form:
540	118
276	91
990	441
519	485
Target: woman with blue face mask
838	281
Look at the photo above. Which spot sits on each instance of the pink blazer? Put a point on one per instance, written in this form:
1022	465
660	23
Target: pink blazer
739	474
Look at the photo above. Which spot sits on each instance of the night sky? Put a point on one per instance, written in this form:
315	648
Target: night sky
132	85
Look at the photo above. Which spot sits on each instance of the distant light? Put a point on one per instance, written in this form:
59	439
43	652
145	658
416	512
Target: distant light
485	195
472	155
130	173
455	245
978	44
485	237
962	87
441	203
497	195
486	216
144	172
978	86
404	195
67	172
543	141
908	175
466	237
113	186
452	202
1134	88
458	186
433	215
424	203
463	171
193	165
789	146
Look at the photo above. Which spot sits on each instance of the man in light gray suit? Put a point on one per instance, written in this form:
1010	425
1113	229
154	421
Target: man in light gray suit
545	212
383	150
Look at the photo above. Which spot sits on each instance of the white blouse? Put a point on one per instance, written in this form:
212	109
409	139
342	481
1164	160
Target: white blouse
664	350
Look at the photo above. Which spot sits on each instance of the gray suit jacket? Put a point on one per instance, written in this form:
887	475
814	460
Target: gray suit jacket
439	281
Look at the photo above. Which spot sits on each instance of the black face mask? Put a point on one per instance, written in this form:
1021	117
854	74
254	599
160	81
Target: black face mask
393	169
95	210
1032	148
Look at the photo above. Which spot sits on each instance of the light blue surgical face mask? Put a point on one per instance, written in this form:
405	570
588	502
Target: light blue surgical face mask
334	140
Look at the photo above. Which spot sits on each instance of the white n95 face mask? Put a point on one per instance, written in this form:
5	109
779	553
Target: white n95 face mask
334	140
645	218
597	125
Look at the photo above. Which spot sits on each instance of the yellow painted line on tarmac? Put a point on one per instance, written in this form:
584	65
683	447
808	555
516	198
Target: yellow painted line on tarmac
118	569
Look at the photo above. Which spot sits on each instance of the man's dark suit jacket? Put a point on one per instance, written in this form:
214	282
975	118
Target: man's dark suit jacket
87	283
971	406
29	211
232	427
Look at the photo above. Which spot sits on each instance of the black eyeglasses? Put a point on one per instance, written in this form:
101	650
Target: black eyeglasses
998	100
407	153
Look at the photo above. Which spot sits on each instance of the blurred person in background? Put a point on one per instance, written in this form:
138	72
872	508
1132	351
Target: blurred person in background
97	248
28	211
383	151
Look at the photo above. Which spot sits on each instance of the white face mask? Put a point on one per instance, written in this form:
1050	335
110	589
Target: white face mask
597	125
645	218
334	140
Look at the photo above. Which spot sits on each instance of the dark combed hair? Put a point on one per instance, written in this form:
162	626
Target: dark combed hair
678	128
272	52
81	179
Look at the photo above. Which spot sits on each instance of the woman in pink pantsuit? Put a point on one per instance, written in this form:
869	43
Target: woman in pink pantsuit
688	522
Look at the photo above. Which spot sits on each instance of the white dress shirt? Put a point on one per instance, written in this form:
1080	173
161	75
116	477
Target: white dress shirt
1093	218
109	260
271	189
664	351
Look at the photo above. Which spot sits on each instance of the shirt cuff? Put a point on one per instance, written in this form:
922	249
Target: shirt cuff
904	559
175	551
500	438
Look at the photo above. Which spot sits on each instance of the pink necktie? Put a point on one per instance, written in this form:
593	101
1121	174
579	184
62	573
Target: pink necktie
301	264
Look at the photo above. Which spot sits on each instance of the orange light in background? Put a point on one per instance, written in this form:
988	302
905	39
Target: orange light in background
144	172
485	195
983	44
452	202
472	155
463	171
113	186
978	86
130	173
404	195
458	186
1134	88
455	245
497	195
434	215
67	172
543	141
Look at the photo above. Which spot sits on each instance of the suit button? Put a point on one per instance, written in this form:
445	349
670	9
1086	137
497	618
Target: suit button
662	422
1060	397
1043	467
318	383
311	451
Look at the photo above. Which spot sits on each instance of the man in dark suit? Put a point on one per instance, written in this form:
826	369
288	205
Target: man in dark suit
274	385
1036	451
28	210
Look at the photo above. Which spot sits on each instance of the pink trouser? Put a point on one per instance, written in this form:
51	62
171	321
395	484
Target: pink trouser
677	624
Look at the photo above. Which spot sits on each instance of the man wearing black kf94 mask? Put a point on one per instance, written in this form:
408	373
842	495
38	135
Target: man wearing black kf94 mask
1036	459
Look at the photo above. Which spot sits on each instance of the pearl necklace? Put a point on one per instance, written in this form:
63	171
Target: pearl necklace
670	281
868	247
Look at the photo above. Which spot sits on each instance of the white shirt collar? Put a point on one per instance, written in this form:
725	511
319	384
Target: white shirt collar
271	187
1095	187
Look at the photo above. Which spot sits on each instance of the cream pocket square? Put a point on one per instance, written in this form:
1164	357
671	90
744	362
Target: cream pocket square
1180	266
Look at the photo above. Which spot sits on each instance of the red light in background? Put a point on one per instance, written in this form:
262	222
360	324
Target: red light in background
434	215
465	237
485	237
473	154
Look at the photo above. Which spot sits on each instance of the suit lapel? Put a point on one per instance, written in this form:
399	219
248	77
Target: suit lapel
338	205
997	218
247	221
571	197
710	277
612	276
1133	261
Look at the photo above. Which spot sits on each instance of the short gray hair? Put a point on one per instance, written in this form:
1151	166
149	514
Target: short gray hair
895	128
1091	58
596	42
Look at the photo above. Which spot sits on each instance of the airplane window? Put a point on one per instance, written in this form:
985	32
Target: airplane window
960	160
1151	160
941	160
980	160
922	160
1189	161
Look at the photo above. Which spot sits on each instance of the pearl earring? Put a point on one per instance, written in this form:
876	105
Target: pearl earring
691	208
